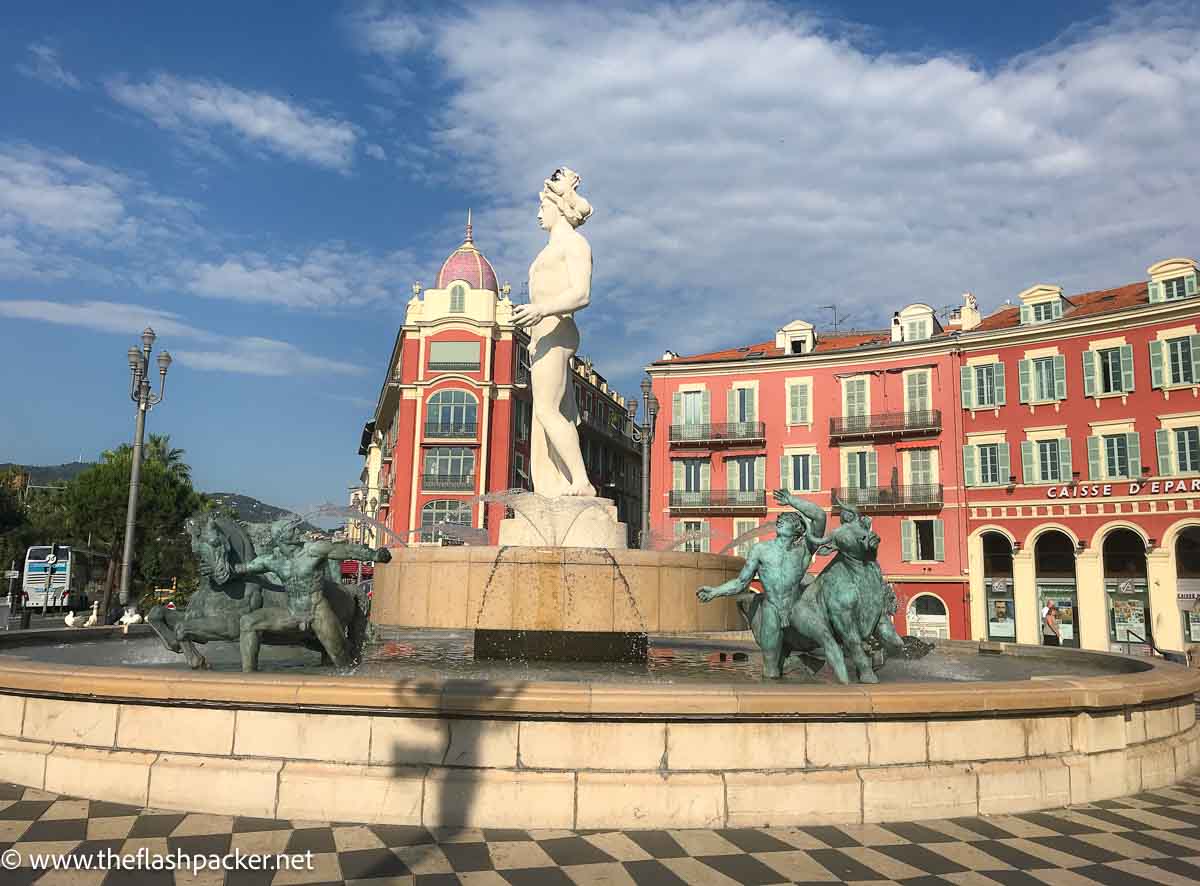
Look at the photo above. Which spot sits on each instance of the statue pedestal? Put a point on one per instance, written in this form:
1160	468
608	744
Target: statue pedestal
567	521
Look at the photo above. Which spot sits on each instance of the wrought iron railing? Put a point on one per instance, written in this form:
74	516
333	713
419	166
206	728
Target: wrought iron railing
719	433
450	429
719	500
448	481
924	421
921	497
454	366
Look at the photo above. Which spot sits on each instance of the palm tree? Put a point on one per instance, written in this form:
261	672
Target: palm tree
159	449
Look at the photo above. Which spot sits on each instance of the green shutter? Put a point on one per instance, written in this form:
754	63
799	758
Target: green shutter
677	467
1156	364
1056	308
999	388
1026	315
760	472
1089	373
906	540
939	540
1126	368
969	465
1024	369
1060	377
966	383
1195	358
1028	474
731	406
1189	285
1003	466
677	408
706	537
706	476
1133	444
793	404
1162	440
1094	468
731	473
814	471
872	470
706	408
785	476
803	404
752	396
1155	291
1064	459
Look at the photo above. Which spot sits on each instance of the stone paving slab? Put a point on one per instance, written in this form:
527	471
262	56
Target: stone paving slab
1150	838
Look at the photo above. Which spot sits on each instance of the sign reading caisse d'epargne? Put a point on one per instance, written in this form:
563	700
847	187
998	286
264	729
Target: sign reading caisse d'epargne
1103	490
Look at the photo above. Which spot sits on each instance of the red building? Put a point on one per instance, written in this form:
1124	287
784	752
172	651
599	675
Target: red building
453	419
1050	451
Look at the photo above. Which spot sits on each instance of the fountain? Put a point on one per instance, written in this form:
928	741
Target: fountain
559	680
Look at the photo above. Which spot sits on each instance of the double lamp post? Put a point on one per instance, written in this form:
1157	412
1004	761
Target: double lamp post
142	396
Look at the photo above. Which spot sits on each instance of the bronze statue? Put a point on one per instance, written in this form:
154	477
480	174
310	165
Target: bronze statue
832	617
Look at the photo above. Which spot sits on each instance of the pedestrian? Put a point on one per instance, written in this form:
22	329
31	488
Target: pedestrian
1051	635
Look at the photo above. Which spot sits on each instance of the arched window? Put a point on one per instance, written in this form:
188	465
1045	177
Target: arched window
458	299
438	514
449	467
451	414
927	617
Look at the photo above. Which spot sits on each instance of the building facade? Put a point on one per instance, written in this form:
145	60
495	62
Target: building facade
452	424
1050	451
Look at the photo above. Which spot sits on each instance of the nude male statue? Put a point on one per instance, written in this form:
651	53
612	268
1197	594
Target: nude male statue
781	563
301	566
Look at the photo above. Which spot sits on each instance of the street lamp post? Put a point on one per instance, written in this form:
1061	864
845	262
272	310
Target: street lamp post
645	432
145	399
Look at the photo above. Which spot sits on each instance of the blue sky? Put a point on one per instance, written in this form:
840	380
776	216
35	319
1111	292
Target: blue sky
263	188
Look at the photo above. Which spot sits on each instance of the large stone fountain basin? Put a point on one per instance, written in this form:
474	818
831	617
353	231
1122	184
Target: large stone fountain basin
480	753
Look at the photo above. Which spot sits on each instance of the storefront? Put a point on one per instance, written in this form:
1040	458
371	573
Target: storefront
1054	569
1187	582
1126	592
998	585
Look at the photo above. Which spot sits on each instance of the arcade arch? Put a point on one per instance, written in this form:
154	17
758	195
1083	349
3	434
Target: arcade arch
1054	572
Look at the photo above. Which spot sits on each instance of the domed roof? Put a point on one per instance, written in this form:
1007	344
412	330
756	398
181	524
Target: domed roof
469	264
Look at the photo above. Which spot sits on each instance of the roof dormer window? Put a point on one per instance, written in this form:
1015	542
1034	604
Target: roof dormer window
1046	311
796	346
1173	279
916	330
797	337
1041	304
1175	288
914	323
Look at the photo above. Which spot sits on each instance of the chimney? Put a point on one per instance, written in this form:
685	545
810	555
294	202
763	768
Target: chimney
969	314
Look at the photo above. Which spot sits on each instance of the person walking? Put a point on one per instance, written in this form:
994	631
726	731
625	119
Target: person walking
1051	635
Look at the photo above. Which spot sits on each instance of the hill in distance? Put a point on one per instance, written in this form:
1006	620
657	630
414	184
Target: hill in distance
48	475
250	510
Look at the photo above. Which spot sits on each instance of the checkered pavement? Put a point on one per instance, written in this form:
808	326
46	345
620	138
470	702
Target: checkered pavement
1149	838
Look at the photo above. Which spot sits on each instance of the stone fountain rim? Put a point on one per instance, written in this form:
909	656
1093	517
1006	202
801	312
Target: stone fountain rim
1158	683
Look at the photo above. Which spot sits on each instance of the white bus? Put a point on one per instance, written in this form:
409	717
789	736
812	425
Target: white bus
56	568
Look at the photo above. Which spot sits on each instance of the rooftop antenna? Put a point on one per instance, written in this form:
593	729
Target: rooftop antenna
837	321
469	229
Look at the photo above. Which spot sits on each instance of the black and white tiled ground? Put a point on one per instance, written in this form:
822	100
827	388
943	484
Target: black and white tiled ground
1149	838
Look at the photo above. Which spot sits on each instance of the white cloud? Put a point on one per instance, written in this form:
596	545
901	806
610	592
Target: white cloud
378	28
327	277
249	355
376	152
197	110
57	192
44	65
744	160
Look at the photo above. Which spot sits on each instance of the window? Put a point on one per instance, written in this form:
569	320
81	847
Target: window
1187	449
801	473
985	385
796	346
1116	455
1043	378
916	330
458	298
916	385
920	467
520	474
524	367
449	462
451	414
856	397
1111	372
740	528
693	405
1043	312
1175	288
989	464
441	513
745	405
745	467
1179	352
922	540
692	531
446	356
691	475
857	469
1048	462
524	418
798	404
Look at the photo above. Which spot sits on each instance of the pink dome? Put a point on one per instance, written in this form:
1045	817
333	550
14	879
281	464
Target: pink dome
468	264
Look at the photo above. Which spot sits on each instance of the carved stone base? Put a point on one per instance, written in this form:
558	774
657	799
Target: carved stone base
566	521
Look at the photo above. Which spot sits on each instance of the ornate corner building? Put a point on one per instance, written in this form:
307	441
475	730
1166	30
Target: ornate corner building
452	424
1048	451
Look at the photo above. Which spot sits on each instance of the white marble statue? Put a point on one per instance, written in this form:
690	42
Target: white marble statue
560	283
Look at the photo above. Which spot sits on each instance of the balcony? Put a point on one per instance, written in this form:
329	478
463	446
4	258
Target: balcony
892	499
885	424
454	366
448	482
451	429
719	501
721	434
